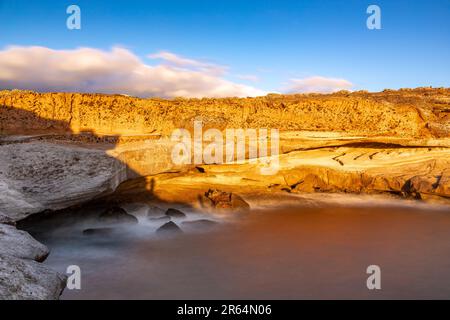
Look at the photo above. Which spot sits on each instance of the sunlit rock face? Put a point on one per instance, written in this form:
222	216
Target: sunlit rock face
406	113
61	150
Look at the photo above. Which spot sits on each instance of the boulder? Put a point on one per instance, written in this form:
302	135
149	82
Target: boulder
117	215
175	213
137	209
221	200
24	279
20	244
169	228
31	176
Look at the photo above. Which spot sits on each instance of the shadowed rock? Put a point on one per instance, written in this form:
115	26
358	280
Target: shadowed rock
22	276
25	279
20	244
169	228
116	215
175	213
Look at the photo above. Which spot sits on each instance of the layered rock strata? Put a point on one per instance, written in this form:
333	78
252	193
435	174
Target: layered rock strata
62	149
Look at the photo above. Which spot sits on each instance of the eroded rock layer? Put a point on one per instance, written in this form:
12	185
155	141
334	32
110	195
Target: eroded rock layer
407	113
61	149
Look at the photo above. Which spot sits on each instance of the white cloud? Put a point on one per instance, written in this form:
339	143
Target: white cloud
317	84
181	62
114	71
248	77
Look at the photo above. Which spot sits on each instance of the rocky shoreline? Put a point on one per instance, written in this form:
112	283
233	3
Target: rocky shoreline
396	143
22	275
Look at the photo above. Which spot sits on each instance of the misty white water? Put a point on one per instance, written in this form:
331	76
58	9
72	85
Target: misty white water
291	253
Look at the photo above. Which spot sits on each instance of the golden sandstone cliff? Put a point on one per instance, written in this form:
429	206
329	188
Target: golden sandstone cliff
412	113
59	150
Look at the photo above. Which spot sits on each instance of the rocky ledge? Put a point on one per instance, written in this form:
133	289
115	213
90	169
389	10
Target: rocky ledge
61	150
22	276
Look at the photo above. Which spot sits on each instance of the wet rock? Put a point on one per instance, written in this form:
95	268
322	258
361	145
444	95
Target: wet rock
175	213
20	244
24	279
221	200
99	231
169	228
116	215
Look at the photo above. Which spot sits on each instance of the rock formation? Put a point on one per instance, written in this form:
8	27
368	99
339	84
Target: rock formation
407	113
117	215
61	149
21	274
215	199
169	228
175	213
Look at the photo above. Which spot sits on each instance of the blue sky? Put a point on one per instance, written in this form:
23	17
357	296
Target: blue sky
269	41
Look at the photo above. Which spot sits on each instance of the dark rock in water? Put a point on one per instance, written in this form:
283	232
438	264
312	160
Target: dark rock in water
161	219
169	228
115	215
175	213
99	231
221	200
202	224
